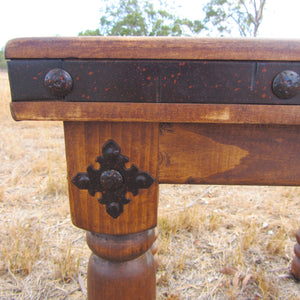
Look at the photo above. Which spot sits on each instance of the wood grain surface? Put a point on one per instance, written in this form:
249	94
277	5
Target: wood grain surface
121	266
121	247
157	112
139	142
154	48
229	154
130	280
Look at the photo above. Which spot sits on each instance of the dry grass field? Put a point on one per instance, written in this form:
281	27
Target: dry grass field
215	242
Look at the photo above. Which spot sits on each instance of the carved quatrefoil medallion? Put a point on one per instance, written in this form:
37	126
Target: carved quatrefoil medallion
113	180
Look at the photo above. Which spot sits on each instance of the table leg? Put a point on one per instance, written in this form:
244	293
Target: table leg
113	191
296	260
121	267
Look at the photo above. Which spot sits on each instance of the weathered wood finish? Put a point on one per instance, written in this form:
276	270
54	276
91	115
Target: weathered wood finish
139	142
229	154
154	48
157	113
154	81
30	75
121	248
122	267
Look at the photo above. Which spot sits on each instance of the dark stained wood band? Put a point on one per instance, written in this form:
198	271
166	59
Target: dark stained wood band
152	81
157	112
153	48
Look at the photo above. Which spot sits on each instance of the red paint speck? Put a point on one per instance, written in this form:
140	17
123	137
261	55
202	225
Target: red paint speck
34	78
90	73
264	70
149	77
263	95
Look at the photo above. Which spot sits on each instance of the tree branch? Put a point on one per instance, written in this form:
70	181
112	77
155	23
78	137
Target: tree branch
250	16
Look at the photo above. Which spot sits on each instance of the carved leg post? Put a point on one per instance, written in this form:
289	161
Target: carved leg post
121	267
113	189
296	260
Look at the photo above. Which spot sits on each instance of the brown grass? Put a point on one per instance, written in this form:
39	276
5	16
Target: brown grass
215	243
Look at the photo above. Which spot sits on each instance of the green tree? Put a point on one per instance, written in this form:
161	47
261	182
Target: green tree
90	32
142	18
225	15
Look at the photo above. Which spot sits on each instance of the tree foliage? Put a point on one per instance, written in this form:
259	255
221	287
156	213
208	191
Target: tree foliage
90	32
142	18
224	15
147	18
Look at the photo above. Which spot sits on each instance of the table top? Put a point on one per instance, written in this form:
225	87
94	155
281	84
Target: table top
189	48
155	79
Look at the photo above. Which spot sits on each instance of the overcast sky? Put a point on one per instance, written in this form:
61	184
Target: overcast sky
26	18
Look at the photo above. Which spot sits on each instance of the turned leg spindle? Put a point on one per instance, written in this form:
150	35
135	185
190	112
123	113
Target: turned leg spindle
296	260
122	266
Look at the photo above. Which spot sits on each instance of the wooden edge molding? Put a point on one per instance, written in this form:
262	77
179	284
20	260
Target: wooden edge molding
151	48
156	112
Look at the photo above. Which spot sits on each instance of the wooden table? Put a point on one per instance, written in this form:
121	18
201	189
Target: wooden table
142	111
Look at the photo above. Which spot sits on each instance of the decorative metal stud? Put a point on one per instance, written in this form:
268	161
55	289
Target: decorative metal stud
286	84
58	82
113	180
